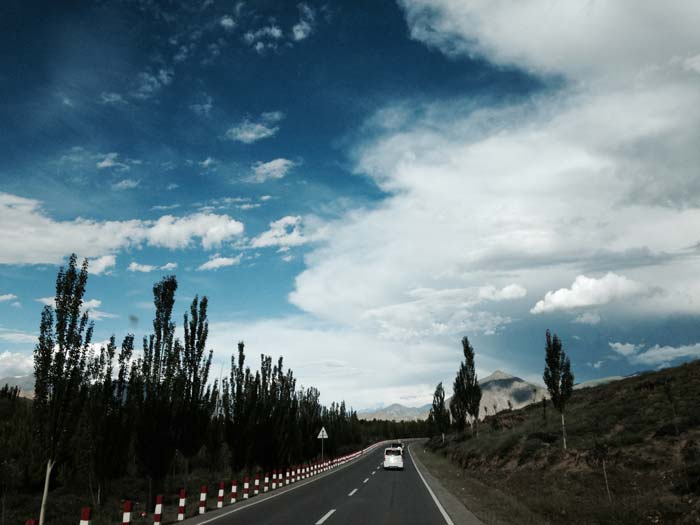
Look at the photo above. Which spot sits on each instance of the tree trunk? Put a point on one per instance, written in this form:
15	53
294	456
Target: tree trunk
49	467
476	427
607	487
563	428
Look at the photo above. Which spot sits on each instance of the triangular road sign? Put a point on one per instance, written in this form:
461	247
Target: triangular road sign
323	434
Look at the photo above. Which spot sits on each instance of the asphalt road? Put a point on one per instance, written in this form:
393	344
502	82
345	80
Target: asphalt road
361	492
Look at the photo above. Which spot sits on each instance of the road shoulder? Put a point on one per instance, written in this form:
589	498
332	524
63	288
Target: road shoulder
456	510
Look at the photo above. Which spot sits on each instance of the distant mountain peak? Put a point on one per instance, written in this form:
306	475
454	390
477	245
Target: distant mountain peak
496	376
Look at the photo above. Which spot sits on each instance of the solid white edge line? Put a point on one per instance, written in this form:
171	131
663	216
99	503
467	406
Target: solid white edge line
448	520
353	492
270	495
325	516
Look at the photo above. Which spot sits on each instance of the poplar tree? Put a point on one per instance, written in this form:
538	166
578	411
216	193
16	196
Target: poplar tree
440	415
60	359
558	377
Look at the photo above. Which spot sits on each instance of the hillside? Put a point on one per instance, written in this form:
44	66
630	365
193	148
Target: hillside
646	427
25	383
496	389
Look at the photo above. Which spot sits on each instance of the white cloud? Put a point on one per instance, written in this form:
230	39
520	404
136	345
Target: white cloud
217	261
165	207
625	349
274	169
7	297
14	364
227	22
589	291
143	268
204	107
102	265
126	184
111	160
304	27
29	236
509	292
111	98
248	131
148	83
659	355
172	186
589	318
208	162
265	198
147	268
16	336
290	231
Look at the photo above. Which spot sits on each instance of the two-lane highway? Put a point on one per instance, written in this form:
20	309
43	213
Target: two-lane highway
359	493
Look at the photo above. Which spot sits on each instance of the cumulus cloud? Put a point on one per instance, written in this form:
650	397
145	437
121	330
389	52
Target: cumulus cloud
304	27
29	236
204	106
217	261
290	231
589	291
589	318
147	268
149	83
625	349
102	265
126	184
274	169
660	355
13	364
7	297
227	22
248	131
111	160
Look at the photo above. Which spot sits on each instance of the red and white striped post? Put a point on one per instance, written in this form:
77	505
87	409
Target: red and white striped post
305	472
256	491
181	505
158	512
85	516
298	477
266	486
234	491
220	496
203	499
31	522
274	479
286	481
126	516
246	487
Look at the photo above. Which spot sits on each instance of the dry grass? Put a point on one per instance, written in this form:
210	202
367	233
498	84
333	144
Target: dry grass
653	461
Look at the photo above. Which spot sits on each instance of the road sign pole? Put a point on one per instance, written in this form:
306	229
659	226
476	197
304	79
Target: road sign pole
322	440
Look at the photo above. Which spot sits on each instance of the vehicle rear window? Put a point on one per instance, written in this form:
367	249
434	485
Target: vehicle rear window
392	452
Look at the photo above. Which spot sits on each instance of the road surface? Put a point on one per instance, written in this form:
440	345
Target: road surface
361	492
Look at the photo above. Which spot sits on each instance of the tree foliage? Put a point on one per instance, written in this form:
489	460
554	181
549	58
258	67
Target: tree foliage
557	376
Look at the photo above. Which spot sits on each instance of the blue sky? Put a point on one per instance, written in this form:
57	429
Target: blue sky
357	185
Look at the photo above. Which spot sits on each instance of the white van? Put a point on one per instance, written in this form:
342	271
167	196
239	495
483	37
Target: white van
393	458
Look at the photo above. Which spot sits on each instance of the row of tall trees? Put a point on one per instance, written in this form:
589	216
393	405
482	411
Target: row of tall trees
466	398
104	411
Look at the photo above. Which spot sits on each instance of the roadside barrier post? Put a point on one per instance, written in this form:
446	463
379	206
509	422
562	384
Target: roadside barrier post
181	505
234	491
286	481
85	516
266	485
274	479
126	516
245	487
256	491
158	512
220	496
203	500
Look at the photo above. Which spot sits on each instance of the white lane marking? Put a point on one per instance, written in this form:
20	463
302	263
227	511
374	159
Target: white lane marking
374	472
353	492
296	486
325	516
366	480
448	520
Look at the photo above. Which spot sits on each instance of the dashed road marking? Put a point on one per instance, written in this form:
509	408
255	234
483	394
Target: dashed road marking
325	517
366	480
374	472
353	492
